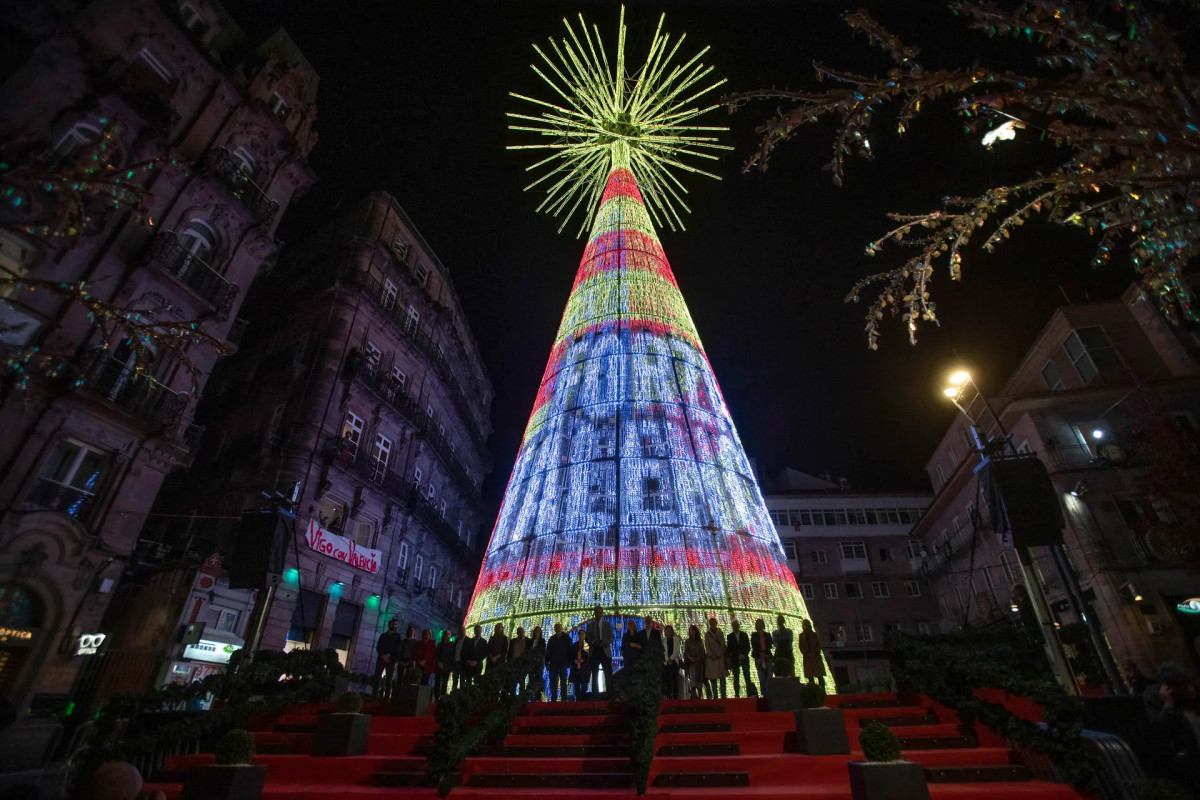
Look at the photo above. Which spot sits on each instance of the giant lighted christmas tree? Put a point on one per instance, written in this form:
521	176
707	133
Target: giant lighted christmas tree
631	488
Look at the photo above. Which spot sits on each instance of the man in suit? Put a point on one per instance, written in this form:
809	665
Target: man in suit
559	652
599	638
737	650
474	653
497	647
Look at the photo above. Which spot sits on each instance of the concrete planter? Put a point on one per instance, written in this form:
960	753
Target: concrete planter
411	701
887	780
342	735
783	694
225	782
822	732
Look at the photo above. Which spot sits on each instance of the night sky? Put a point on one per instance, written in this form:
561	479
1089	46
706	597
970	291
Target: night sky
412	101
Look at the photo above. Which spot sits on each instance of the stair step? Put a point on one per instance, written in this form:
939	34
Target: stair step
730	749
895	722
938	742
692	710
400	779
979	774
569	710
696	727
551	780
889	703
299	727
702	779
569	730
274	748
566	751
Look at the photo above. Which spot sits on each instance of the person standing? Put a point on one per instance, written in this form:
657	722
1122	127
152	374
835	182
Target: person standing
599	638
581	669
809	645
517	647
559	654
385	661
404	657
693	661
715	666
537	650
445	663
785	660
760	651
672	663
497	647
425	657
458	665
632	644
475	653
737	645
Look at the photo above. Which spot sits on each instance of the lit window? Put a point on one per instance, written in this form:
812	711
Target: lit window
352	429
1090	352
199	241
880	590
399	379
806	590
227	620
442	509
818	556
854	590
831	592
1051	377
70	480
331	514
912	588
837	633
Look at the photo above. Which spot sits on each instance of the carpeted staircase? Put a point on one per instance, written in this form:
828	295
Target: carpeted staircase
712	748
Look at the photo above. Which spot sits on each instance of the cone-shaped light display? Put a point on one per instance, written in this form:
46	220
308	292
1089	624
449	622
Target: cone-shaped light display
631	489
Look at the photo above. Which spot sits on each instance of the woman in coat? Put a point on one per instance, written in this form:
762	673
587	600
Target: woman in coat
714	661
693	661
672	663
425	657
809	645
760	651
581	669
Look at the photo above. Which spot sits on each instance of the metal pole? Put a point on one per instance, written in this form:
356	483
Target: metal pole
1087	616
258	621
1036	591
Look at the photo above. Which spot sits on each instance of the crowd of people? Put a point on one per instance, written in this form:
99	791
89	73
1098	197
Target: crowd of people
580	655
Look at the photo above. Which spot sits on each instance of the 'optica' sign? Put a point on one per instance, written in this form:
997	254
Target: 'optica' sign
341	548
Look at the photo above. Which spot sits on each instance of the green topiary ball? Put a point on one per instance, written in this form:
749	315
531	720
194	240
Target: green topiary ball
784	668
879	743
236	747
349	703
812	695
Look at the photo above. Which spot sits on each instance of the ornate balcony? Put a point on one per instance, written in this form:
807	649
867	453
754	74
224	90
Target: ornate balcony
139	394
51	495
240	184
169	255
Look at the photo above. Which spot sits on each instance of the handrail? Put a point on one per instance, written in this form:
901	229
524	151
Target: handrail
243	187
170	255
137	392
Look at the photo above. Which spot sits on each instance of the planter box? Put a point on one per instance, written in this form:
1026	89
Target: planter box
342	735
822	732
887	780
411	701
783	694
225	782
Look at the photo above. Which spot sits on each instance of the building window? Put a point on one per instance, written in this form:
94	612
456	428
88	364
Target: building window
245	160
400	247
429	411
922	627
854	590
331	514
70	480
417	477
411	319
363	533
78	137
402	563
885	554
199	242
831	591
381	456
419	570
941	476
147	57
806	590
399	381
780	517
458	600
1004	565
852	550
305	616
956	524
837	633
352	428
863	631
432	490
278	105
344	630
789	550
916	548
952	457
442	509
373	355
227	620
1051	377
387	297
912	588
818	556
421	274
880	590
1090	352
433	576
891	629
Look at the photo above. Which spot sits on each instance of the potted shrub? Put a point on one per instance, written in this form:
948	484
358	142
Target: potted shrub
411	699
820	731
783	690
885	775
345	731
233	777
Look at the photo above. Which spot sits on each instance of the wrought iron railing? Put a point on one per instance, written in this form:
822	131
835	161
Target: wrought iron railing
138	393
243	187
169	255
50	495
1080	456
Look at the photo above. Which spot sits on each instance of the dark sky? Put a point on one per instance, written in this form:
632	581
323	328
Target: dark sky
412	99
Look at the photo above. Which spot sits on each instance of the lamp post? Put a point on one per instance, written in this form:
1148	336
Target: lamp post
965	394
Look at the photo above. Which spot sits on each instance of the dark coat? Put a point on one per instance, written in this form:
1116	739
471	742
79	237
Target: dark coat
388	644
560	650
761	645
737	644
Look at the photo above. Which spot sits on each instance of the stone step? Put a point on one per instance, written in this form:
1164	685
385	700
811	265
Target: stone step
938	742
877	703
692	710
552	780
696	727
400	779
993	773
730	749
895	722
569	730
702	779
566	751
570	710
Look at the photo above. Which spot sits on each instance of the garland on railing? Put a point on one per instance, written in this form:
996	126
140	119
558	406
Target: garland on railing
126	725
453	741
950	668
642	692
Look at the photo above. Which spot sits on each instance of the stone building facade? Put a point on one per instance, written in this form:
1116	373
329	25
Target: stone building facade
82	459
857	567
359	392
1108	397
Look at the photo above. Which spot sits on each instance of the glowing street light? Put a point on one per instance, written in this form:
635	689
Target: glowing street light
959	378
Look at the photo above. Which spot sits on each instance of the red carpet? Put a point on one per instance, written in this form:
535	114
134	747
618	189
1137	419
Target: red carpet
715	748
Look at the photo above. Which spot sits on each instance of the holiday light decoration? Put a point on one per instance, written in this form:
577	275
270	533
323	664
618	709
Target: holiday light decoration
631	489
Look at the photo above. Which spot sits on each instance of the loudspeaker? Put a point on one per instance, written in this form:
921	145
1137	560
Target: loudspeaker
258	549
1023	501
